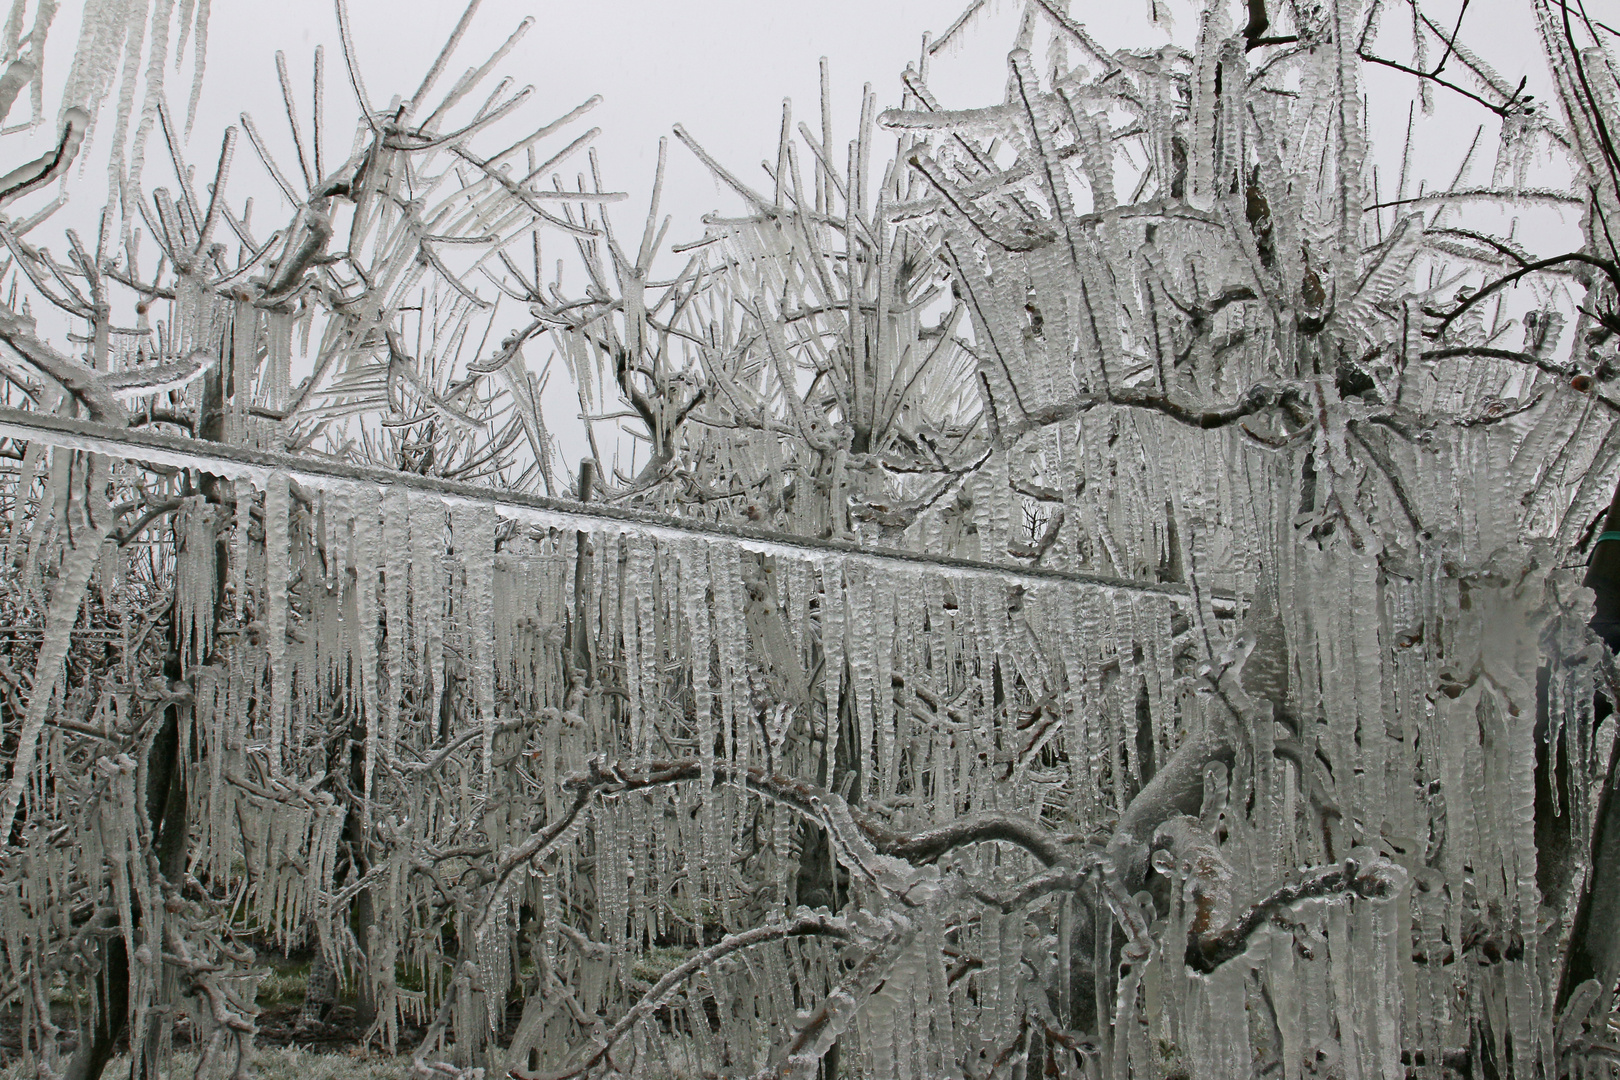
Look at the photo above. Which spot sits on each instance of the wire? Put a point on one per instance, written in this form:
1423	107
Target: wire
239	462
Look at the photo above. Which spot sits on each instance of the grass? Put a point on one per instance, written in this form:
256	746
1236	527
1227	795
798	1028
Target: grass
286	983
656	963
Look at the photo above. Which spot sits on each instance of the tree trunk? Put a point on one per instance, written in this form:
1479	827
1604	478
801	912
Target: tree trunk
320	985
166	812
1594	944
166	782
111	1011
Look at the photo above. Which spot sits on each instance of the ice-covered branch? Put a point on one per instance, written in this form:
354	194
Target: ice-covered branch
1611	270
1065	878
1377	879
1177	788
926	846
803	924
36	174
78	379
1255	400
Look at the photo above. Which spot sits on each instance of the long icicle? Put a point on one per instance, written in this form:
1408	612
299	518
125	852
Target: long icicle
95	525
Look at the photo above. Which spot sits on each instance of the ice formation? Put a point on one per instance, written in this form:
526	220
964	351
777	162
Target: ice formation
1094	603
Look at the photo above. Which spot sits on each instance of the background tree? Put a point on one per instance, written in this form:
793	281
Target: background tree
136	812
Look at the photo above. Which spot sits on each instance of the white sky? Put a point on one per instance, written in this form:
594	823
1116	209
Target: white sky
720	67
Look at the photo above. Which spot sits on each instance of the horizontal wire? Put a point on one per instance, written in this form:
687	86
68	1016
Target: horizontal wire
245	463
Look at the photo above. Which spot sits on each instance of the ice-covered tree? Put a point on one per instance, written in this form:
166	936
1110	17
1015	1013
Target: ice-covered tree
1097	590
124	837
1351	428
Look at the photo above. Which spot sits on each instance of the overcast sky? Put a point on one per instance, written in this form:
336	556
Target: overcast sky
720	67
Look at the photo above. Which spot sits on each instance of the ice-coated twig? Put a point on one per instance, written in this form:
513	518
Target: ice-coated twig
269	163
443	58
351	64
292	119
1374	880
41	171
803	924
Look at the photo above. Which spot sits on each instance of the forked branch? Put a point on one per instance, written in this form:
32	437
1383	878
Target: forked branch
1376	880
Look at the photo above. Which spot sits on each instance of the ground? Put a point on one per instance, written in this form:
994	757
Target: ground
286	1051
271	1063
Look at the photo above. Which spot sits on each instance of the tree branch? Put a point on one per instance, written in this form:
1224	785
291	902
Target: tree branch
1259	22
1609	268
1178	788
38	173
805	924
922	847
1499	110
1376	880
1256	399
80	381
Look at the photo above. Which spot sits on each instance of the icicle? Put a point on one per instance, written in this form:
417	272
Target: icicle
474	531
878	1021
35	460
244	355
275	385
336	541
862	624
640	872
397	638
199	59
367	536
883	612
945	1041
693	584
77	564
244	497
427	595
157	59
731	639
49	514
278	568
1341	963
105	25
196	565
638	628
1011	941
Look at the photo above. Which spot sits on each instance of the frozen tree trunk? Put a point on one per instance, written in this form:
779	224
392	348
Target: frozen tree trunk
166	811
166	788
320	986
111	1014
1594	947
321	989
365	917
1603	578
168	767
